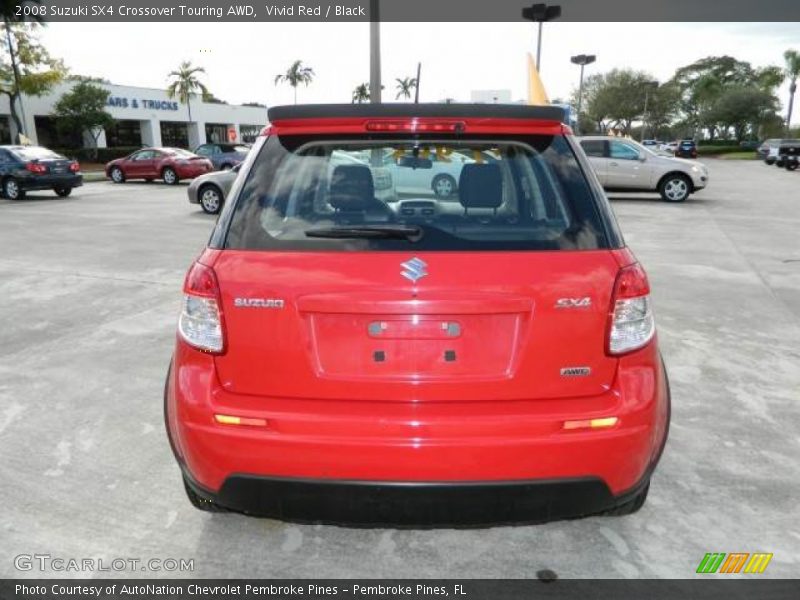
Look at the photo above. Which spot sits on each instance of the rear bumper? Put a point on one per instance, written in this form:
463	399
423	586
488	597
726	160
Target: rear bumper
49	182
453	462
413	504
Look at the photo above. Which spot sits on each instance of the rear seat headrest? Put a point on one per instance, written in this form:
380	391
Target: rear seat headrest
352	187
480	186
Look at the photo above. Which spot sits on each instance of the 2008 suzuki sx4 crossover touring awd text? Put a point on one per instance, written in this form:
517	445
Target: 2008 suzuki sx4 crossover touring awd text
483	356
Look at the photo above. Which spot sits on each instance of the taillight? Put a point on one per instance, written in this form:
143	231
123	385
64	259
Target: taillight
200	323
631	323
74	166
36	168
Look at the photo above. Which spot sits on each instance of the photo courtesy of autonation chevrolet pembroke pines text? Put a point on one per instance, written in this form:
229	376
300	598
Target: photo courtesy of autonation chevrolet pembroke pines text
383	299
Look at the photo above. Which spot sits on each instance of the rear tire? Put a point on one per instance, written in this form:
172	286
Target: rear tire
675	188
199	502
632	505
12	189
791	166
170	176
63	192
116	174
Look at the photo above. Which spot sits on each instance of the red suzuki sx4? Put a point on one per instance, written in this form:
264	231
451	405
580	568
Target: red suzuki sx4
474	346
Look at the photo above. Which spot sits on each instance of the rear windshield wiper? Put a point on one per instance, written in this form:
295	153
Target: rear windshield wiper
408	232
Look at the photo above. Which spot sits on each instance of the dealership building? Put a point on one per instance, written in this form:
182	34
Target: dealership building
142	117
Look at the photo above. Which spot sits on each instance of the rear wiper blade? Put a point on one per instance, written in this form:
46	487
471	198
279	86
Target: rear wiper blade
408	232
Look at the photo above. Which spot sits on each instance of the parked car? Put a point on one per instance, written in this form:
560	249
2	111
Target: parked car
768	150
491	358
211	189
669	147
686	149
623	165
789	155
169	164
440	174
28	168
650	143
223	156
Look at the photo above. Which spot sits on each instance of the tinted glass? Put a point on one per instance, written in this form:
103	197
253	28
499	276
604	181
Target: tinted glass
510	194
593	147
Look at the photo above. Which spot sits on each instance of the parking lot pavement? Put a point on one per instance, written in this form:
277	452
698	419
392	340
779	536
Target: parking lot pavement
89	293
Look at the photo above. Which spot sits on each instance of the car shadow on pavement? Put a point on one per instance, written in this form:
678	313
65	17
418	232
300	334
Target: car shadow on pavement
656	200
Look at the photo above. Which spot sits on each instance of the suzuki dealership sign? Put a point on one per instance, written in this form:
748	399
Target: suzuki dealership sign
122	102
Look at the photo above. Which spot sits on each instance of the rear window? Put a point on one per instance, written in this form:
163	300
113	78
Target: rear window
526	193
35	153
179	152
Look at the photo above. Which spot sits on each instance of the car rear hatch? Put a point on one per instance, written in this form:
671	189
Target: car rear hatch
473	310
481	326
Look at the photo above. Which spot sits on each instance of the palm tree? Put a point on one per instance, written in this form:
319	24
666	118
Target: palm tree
185	83
404	87
361	93
295	75
792	58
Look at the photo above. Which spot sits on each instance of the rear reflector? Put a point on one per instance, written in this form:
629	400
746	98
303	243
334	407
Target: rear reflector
415	125
603	423
233	420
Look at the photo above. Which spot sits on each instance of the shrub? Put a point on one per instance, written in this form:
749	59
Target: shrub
709	150
101	155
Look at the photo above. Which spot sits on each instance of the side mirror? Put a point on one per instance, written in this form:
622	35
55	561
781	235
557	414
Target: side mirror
237	168
642	157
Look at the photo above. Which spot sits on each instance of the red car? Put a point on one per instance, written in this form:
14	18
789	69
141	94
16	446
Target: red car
169	164
489	357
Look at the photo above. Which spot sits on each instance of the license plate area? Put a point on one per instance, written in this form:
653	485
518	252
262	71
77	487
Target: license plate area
415	347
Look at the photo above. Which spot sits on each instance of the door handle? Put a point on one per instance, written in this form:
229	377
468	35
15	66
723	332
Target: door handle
613	164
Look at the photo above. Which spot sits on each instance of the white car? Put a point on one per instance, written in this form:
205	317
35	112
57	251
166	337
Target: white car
669	147
623	165
439	176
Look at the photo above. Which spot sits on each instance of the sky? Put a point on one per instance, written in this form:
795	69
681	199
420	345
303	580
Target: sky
242	59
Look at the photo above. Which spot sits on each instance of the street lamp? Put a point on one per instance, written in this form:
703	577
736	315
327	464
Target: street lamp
648	85
374	52
539	13
582	60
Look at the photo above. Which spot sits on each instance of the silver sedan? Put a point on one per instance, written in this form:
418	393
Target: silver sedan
211	189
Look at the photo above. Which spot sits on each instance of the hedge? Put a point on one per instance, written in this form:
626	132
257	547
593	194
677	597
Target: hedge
706	150
101	155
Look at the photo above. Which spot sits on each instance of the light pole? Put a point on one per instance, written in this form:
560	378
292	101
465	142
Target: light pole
582	60
539	13
648	85
374	52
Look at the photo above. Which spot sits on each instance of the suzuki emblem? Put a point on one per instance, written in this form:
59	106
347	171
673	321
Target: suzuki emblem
414	269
